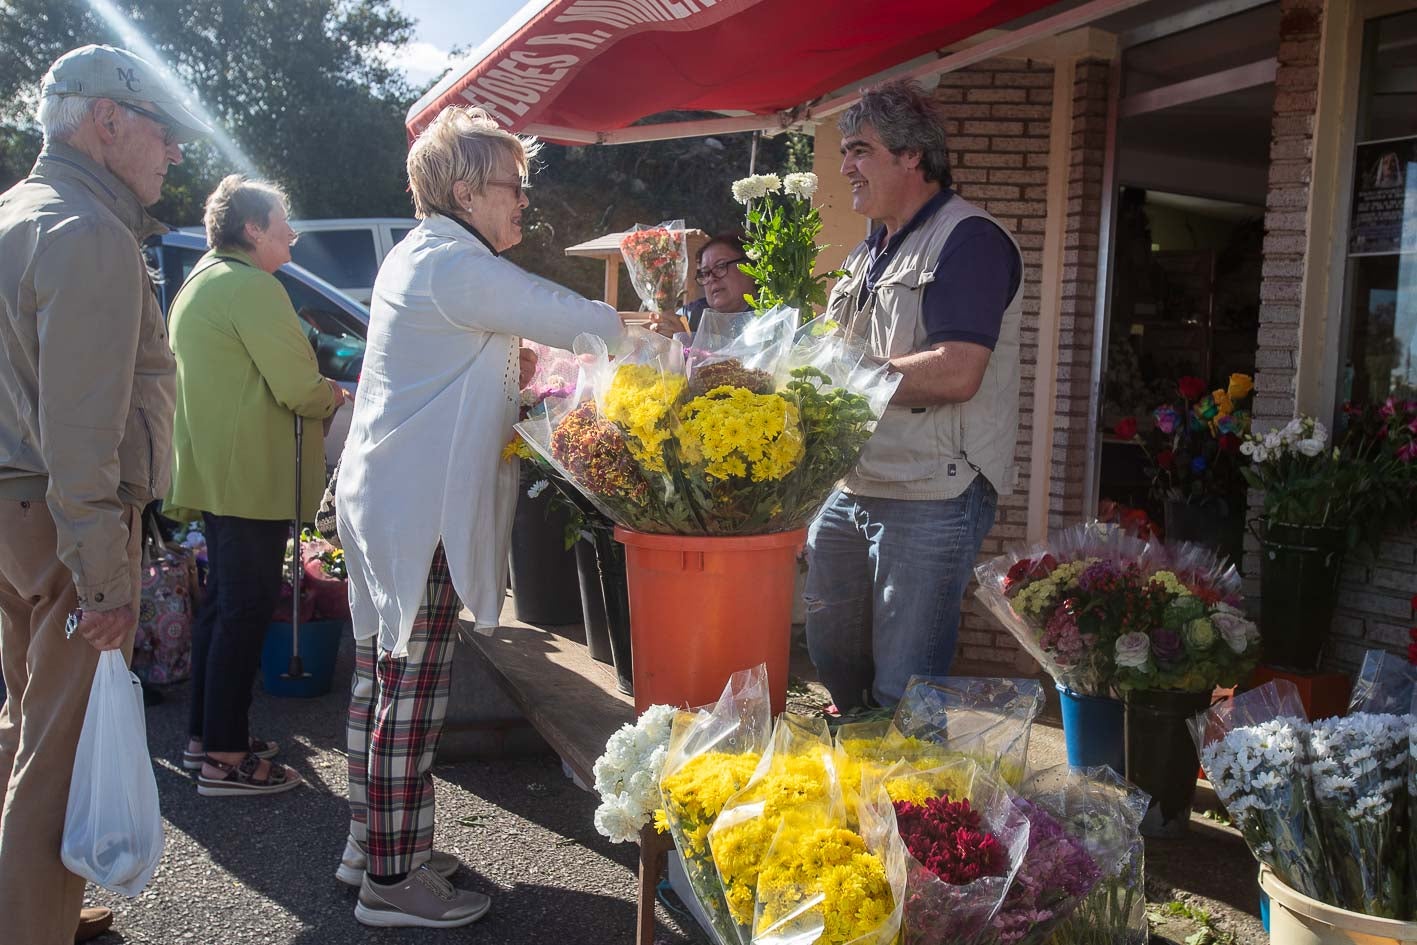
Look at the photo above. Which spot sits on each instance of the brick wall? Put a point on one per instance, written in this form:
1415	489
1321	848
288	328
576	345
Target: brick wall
999	118
1374	609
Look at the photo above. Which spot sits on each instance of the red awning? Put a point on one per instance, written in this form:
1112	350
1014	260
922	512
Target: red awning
597	65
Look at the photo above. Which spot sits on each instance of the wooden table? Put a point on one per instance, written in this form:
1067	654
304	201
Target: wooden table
572	701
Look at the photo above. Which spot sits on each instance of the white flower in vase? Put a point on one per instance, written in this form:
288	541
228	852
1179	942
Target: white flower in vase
802	185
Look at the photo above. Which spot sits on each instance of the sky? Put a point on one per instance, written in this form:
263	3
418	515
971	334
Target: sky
443	24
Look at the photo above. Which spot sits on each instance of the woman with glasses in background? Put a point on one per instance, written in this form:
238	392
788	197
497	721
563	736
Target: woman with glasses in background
725	285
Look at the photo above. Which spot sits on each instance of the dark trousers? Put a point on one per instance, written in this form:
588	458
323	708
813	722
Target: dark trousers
244	559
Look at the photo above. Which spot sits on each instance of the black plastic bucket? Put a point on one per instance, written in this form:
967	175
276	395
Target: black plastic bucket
1300	567
1161	757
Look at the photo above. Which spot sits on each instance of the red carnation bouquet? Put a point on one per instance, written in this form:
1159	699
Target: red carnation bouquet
965	838
658	260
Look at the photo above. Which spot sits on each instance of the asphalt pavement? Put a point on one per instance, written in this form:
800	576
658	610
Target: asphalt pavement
238	870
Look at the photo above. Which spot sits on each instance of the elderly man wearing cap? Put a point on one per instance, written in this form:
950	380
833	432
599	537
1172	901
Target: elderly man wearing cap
86	403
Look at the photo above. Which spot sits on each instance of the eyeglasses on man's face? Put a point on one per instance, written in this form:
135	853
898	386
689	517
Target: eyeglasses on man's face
717	271
169	134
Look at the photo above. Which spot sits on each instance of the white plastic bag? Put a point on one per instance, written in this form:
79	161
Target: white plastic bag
113	826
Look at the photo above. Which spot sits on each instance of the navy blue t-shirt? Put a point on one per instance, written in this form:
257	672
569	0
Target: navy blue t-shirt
976	276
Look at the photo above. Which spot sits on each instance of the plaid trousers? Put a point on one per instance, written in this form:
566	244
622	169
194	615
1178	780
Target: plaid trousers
396	712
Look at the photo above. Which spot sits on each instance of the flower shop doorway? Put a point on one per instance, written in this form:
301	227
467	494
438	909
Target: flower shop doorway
1190	171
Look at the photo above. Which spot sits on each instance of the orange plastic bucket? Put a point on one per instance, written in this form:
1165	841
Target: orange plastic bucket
703	608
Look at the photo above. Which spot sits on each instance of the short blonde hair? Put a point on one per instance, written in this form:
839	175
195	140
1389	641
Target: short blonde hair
462	143
237	202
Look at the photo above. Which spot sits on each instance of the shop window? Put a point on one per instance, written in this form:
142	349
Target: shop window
1380	298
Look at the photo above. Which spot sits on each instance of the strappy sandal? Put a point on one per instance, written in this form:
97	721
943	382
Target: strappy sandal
240	779
260	747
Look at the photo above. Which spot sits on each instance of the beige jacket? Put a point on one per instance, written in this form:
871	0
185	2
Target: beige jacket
930	452
87	382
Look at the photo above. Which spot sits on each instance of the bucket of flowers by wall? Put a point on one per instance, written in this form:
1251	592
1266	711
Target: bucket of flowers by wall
1323	501
324	621
1158	625
1323	806
711	461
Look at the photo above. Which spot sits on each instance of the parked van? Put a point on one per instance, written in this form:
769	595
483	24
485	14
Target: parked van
347	253
335	324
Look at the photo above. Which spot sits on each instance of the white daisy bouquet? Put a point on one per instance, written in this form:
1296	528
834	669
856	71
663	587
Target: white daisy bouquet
782	228
1254	748
627	775
1360	784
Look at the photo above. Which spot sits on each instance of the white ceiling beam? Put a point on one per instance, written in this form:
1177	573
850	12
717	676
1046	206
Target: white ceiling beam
1203	87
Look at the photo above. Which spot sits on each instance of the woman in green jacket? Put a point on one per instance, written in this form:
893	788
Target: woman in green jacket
245	370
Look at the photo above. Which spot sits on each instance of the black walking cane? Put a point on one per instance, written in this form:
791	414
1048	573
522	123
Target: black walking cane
297	668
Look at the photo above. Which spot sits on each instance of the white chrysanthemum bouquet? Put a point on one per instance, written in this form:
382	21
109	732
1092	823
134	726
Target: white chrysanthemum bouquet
627	775
1324	805
782	228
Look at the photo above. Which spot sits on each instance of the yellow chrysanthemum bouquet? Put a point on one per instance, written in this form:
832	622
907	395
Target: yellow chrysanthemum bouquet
746	431
791	867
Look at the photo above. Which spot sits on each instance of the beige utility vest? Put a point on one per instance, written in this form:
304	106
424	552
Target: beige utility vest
930	452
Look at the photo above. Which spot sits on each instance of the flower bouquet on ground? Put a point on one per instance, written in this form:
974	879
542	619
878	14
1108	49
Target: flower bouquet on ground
1105	812
1055	877
712	754
758	452
782	228
627	775
1066	600
1360	788
1254	748
658	260
822	882
964	838
795	773
986	719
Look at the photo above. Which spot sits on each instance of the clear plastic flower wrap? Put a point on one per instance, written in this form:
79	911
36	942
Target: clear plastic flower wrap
988	719
825	883
658	260
964	840
712	754
1360	788
796	772
1254	748
1385	683
1024	588
1199	567
1104	811
1056	876
744	440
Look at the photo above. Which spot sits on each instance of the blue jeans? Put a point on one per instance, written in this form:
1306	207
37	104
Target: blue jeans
885	581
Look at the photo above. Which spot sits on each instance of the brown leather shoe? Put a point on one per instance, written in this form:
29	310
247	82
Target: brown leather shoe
93	922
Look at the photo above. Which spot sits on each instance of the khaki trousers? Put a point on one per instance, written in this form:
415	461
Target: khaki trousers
48	679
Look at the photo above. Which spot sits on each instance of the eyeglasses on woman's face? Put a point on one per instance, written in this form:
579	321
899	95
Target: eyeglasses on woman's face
717	271
518	188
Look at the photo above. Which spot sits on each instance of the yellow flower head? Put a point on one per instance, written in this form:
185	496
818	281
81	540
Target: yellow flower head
737	433
1223	402
695	794
641	399
517	448
1240	386
833	862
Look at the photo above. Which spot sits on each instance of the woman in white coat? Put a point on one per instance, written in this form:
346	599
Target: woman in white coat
425	501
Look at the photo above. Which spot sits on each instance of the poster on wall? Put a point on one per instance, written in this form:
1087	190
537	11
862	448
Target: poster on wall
1384	198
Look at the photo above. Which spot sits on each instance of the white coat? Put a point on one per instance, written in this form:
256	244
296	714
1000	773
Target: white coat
436	403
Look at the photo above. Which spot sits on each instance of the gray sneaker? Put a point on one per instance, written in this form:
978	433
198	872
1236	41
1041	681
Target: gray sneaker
424	899
355	858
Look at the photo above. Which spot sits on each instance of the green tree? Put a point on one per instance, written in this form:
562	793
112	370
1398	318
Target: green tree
300	86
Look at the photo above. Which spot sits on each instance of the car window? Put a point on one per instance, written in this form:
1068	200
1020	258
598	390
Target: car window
397	233
346	258
336	336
